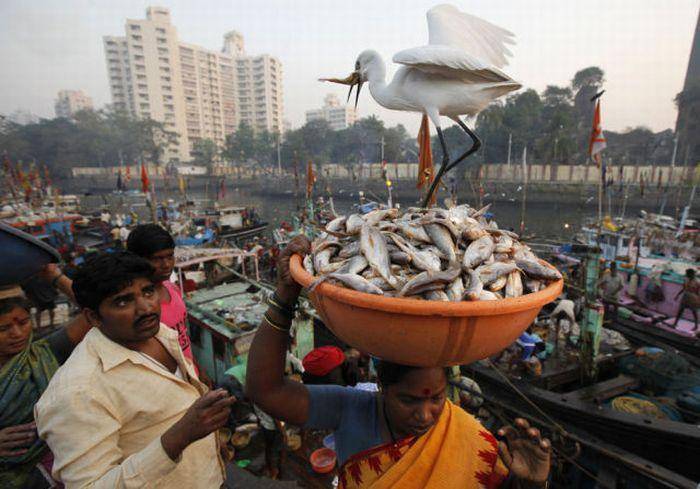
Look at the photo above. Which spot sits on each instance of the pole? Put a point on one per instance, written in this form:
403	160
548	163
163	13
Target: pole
686	210
510	142
522	211
279	157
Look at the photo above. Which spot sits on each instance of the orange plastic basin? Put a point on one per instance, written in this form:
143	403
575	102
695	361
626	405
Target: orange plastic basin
323	460
423	333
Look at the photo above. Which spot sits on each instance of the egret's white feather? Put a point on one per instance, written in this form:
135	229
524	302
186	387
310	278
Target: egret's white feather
478	38
450	62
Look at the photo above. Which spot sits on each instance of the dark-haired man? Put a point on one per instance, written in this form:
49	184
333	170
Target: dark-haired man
127	409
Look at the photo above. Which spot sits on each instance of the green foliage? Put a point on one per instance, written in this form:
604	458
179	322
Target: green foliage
91	138
205	152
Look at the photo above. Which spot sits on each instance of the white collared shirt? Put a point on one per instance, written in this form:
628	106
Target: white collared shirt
105	410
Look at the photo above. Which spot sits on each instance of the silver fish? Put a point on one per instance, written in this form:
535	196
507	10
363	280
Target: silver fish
399	257
350	249
333	267
353	223
499	283
355	265
431	277
536	270
372	218
413	231
323	258
352	280
455	290
381	283
514	285
426	288
309	264
337	224
504	244
480	212
532	285
374	248
423	260
437	295
474	287
478	251
442	238
448	224
487	295
490	273
460	214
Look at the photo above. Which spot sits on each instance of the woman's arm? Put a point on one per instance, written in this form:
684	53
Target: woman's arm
53	274
266	384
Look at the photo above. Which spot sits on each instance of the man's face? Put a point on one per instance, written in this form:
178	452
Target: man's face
163	262
131	315
414	405
15	330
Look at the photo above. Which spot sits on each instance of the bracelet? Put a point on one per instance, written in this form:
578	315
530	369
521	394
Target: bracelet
54	281
277	326
286	311
291	308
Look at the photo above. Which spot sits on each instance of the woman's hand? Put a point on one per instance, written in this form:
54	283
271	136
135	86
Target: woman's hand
14	440
287	288
526	454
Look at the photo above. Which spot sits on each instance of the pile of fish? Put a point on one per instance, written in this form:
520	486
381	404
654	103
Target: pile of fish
438	254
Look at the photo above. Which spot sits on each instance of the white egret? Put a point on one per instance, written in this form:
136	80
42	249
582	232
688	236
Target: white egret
457	73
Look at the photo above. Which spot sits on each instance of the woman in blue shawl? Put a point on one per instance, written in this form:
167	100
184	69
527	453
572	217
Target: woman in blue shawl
26	366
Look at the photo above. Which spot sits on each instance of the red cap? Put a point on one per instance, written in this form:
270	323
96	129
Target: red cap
320	361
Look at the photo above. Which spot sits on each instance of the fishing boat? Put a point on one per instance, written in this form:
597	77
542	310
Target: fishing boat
233	223
593	409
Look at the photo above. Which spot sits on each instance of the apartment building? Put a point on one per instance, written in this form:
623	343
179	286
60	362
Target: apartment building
338	116
68	102
196	92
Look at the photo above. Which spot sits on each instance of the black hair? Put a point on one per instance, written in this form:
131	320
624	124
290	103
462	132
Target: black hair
10	303
389	373
613	265
147	239
689	272
106	274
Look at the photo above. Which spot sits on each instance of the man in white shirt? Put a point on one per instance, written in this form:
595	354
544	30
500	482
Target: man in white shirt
127	410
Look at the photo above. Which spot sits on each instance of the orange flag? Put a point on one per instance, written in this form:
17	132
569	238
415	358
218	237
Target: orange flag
144	178
425	157
597	142
310	178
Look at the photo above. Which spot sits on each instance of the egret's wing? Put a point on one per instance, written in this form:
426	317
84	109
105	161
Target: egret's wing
450	62
478	38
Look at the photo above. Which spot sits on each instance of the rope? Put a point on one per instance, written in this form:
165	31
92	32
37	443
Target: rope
520	393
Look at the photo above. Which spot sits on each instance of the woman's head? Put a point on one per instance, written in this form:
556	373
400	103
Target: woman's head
15	326
413	396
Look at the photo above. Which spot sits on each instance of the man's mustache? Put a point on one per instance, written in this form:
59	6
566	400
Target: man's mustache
146	317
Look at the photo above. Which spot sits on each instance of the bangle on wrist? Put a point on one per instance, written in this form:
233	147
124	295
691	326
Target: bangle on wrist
277	326
284	310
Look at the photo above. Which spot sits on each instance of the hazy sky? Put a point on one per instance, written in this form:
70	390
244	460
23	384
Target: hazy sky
642	45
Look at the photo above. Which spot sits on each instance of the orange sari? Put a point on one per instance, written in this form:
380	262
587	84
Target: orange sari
456	453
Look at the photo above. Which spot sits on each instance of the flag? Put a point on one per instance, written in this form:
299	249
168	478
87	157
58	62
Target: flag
182	184
310	178
128	174
120	184
144	178
425	155
222	188
597	142
47	177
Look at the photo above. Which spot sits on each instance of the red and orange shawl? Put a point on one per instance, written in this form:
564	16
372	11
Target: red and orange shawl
456	453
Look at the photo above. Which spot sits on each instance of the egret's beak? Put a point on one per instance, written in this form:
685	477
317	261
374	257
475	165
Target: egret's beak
352	80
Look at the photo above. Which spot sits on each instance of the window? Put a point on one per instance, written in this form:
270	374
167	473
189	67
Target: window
160	30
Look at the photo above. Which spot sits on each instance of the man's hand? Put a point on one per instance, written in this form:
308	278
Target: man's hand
206	415
287	288
14	440
525	453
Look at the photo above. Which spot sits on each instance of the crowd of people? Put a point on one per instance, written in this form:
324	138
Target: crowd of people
116	398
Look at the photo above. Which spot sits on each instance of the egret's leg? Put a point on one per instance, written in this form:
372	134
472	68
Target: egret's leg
441	171
476	143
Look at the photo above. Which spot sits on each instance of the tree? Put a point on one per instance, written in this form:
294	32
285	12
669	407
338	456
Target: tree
205	152
240	146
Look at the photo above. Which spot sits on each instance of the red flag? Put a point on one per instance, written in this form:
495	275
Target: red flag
310	178
425	155
144	179
128	174
597	142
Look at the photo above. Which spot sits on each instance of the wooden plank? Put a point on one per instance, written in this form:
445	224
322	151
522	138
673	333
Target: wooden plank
605	390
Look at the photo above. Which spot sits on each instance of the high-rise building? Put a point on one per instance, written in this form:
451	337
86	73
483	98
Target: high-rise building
68	102
338	116
196	92
688	121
